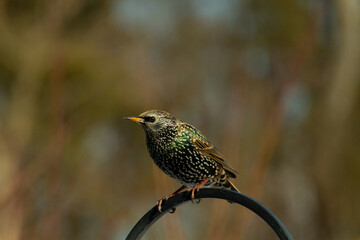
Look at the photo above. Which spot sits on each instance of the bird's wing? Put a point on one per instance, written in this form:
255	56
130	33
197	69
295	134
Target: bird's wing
210	151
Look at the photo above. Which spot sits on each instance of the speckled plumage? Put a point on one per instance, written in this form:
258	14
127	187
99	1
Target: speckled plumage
182	151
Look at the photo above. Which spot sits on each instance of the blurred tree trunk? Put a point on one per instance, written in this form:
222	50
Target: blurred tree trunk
335	122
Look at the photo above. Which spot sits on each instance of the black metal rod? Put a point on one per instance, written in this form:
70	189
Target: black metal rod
153	215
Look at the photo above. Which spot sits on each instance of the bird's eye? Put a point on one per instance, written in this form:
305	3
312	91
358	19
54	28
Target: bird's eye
149	119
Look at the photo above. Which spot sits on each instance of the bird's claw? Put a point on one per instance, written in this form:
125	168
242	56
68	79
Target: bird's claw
196	188
197	201
193	193
167	197
161	200
172	210
159	204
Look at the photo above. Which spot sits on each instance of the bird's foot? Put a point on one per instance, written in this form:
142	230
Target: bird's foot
167	197
162	199
196	188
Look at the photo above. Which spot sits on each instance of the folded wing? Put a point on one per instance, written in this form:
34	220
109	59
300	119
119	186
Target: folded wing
207	149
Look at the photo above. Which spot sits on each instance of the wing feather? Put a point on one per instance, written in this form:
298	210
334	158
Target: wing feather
210	151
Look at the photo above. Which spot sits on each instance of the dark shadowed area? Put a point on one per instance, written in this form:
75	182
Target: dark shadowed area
274	85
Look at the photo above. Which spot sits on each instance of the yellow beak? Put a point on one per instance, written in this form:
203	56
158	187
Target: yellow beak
135	119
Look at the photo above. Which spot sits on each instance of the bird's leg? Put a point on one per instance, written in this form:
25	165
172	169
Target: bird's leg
197	187
167	197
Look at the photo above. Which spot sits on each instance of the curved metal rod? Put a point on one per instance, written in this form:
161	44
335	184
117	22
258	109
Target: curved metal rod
153	215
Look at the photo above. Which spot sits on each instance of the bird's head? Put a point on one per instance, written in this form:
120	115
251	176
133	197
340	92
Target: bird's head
154	121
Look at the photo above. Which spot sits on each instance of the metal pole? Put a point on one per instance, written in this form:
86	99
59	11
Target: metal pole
153	215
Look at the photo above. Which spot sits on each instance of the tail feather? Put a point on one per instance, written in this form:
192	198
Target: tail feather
232	186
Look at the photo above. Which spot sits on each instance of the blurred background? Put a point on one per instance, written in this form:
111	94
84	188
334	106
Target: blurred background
273	84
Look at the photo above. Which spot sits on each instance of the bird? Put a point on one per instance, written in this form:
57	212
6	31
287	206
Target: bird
183	153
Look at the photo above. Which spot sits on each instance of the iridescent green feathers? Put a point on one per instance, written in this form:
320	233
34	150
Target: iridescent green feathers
182	151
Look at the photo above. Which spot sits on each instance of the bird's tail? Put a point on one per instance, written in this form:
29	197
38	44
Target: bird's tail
232	186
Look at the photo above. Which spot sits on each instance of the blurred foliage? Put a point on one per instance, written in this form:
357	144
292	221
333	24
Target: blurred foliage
273	84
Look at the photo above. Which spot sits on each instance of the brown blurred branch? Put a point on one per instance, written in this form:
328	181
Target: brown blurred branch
335	118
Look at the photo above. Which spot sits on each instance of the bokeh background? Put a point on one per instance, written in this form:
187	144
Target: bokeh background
273	84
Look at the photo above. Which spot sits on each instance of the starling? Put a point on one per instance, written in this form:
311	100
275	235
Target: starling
183	153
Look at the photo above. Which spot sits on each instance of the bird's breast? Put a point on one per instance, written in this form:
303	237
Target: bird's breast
180	160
